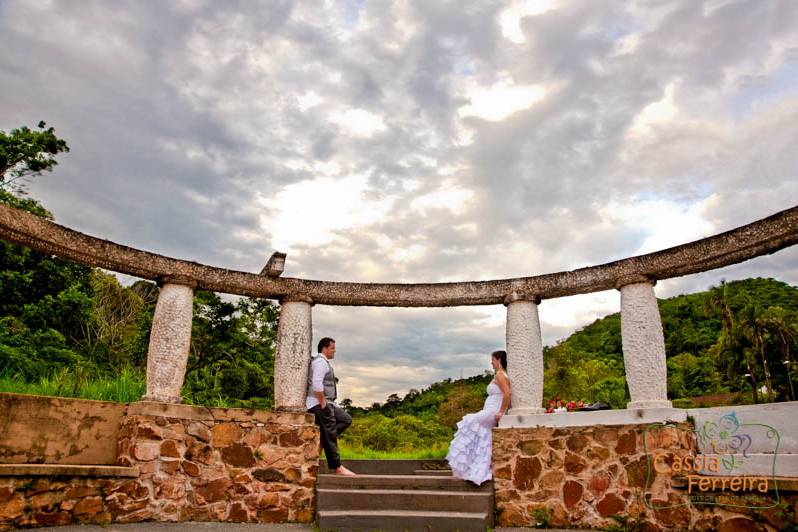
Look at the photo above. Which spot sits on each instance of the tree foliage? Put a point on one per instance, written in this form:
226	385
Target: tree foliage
25	152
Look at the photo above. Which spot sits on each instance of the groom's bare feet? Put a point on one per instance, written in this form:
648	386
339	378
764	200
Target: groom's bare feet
344	471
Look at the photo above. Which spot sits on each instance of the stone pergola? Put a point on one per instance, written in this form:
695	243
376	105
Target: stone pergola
633	277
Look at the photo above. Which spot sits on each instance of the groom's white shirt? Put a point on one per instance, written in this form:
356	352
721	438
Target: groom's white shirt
318	369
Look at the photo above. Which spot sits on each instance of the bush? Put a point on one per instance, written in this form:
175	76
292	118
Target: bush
682	403
402	433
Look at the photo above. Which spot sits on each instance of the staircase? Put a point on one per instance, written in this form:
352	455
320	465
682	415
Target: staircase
398	495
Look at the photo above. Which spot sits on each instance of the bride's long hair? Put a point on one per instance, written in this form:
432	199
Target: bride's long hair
501	356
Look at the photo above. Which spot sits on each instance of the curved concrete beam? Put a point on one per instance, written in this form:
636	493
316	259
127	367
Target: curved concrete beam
758	238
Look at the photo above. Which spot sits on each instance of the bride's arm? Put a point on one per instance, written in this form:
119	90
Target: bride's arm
504	384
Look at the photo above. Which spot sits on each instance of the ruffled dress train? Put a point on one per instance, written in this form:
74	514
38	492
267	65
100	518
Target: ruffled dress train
471	448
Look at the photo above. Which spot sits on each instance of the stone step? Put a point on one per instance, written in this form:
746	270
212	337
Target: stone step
388	467
434	472
403	499
402	520
409	482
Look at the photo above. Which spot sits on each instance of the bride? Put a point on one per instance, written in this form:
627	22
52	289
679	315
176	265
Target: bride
470	451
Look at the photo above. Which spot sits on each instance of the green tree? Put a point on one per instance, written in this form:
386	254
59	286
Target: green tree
782	325
44	301
460	401
231	361
25	152
112	333
690	375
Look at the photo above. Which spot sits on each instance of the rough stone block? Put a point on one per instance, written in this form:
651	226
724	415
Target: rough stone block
199	431
146	451
52	519
170	449
238	455
225	434
572	493
89	506
190	468
527	470
530	447
611	504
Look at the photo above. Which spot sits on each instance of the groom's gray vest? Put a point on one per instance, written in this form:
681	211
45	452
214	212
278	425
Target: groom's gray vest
330	388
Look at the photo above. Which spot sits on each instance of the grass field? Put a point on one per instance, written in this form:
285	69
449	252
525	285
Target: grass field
370	454
126	386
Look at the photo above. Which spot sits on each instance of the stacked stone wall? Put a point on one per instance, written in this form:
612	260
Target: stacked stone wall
194	464
603	477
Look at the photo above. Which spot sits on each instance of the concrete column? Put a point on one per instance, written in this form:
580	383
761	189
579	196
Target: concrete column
170	338
643	344
291	363
524	354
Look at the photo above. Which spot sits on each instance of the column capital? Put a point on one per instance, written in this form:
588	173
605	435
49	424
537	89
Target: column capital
633	278
182	280
297	298
512	297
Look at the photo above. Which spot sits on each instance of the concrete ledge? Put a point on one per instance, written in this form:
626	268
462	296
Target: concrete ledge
204	413
754	421
599	417
60	470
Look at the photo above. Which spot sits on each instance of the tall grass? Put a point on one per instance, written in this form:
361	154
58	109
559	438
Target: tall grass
126	386
362	453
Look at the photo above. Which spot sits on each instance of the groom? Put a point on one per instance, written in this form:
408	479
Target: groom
322	391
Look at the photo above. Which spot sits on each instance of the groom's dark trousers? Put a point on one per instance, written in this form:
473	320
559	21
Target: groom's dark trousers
332	422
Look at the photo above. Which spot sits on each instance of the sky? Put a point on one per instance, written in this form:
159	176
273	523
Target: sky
429	141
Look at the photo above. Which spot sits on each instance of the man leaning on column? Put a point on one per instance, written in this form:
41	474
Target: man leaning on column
322	392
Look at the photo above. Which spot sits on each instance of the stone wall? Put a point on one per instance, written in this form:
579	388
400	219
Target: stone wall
602	477
194	464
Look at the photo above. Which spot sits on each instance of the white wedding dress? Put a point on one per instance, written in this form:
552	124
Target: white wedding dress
470	451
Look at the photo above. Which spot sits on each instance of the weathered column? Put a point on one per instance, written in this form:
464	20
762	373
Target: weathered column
170	337
524	354
643	344
291	363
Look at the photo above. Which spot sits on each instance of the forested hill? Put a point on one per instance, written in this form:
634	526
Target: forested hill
712	339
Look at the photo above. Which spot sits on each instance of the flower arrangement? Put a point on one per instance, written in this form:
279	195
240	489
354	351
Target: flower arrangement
561	405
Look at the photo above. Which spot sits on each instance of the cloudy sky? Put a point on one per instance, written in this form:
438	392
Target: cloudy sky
415	142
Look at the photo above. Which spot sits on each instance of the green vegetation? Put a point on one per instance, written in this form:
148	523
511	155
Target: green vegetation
736	337
75	331
359	453
125	387
70	330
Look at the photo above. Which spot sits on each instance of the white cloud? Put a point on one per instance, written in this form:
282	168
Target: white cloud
500	100
665	223
628	44
358	122
309	213
308	100
510	19
655	113
452	198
